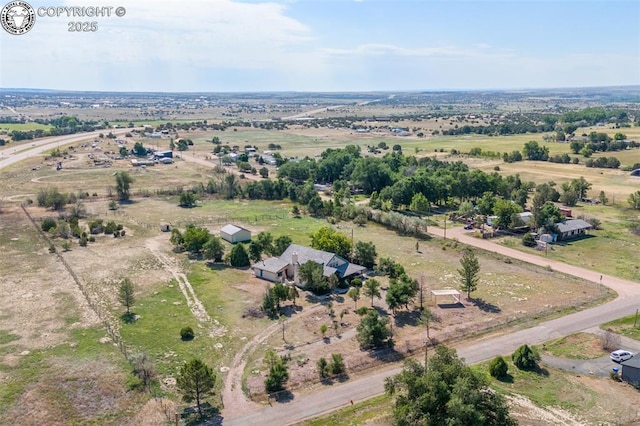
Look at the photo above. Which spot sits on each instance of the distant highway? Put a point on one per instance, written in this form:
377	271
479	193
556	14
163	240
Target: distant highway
331	108
12	154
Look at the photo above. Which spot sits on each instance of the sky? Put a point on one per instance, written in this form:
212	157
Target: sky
328	46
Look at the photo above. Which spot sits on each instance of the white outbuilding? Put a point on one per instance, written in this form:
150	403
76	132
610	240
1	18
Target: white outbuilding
235	234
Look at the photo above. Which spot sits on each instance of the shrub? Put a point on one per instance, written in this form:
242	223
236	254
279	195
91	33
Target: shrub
362	310
498	367
83	241
525	358
66	246
323	368
528	240
337	364
52	248
48	223
186	333
92	239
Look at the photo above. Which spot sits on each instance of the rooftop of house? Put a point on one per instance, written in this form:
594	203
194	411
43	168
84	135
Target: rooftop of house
573	225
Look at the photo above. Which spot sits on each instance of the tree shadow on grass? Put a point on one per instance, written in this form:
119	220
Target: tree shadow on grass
507	378
128	317
216	266
386	355
486	306
403	318
210	415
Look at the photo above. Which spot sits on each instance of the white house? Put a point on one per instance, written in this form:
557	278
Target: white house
235	234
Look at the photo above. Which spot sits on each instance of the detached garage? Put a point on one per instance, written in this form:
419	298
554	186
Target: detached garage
235	234
631	370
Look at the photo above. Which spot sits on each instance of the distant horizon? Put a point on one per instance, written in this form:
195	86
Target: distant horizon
514	89
320	46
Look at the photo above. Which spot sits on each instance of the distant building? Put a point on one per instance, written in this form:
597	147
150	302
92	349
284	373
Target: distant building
235	234
163	154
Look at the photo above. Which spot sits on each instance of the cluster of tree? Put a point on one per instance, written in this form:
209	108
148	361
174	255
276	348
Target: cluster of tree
276	294
265	243
401	292
198	240
328	239
52	198
603	162
312	274
446	391
593	115
534	152
521	126
333	368
64	125
601	142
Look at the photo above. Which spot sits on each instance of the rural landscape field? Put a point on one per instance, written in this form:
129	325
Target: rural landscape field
117	274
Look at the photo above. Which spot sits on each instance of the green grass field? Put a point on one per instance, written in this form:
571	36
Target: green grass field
23	126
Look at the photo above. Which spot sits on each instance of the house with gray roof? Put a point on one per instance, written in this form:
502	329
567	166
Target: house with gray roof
572	229
285	267
631	370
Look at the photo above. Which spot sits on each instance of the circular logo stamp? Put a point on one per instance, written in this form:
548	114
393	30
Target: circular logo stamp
17	17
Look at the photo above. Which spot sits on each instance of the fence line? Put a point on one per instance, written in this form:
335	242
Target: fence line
104	317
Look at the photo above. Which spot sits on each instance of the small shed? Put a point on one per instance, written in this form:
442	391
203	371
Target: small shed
165	227
446	292
235	234
631	370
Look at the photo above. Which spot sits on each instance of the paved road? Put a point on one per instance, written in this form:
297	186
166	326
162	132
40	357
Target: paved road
12	154
340	395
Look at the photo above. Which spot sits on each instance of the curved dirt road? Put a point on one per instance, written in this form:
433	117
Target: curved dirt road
340	395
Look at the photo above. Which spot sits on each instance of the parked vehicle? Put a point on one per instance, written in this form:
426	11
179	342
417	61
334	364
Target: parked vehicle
620	355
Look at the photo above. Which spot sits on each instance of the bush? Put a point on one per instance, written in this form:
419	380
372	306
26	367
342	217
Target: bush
48	223
525	358
336	366
186	333
362	310
498	367
528	240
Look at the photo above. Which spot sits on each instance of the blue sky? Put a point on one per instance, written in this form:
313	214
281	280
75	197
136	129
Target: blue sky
330	45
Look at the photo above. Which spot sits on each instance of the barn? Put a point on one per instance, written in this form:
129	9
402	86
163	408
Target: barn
235	234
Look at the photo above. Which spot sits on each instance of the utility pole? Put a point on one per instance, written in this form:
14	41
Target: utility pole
421	293
445	226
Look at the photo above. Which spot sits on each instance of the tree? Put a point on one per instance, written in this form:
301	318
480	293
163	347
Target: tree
336	366
505	209
446	392
195	238
280	244
498	368
528	240
419	203
239	256
139	149
634	200
255	251
213	249
311	274
125	294
371	288
328	239
188	200
469	272
525	358
196	380
373	331
123	185
323	367
278	372
264	172
427	317
354	294
365	254
144	369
